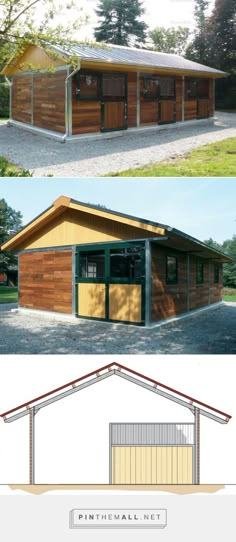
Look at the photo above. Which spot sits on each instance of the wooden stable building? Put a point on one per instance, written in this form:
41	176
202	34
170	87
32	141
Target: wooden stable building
90	262
112	88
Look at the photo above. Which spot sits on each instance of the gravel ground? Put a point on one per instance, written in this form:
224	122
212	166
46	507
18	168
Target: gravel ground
212	332
44	156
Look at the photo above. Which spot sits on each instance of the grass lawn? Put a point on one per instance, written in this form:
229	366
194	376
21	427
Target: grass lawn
8	294
214	160
229	294
9	170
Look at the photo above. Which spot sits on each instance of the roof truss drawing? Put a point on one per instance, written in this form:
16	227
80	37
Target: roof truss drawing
122	372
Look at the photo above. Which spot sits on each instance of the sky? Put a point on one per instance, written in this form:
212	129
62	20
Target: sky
157	13
201	207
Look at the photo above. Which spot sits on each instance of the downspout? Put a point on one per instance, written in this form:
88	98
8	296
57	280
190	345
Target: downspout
68	102
10	85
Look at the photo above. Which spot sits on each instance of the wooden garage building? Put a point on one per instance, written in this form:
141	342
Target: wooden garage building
112	88
90	262
140	453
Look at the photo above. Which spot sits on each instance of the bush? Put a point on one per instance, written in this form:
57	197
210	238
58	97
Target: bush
4	100
9	170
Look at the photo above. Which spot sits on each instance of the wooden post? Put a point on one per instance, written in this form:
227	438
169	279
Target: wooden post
197	446
32	446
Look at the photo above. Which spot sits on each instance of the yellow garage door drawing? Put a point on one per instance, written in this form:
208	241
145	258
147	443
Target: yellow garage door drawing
125	302
91	300
152	465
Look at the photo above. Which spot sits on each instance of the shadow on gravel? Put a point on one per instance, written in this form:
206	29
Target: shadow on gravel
211	332
41	152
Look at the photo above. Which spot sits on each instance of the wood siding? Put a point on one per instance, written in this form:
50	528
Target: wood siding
22	99
168	300
178	90
45	281
190	109
132	100
211	98
49	101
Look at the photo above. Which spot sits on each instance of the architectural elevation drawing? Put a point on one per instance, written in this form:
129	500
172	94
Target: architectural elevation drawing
162	450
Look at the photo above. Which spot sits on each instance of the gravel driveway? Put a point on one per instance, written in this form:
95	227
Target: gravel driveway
92	158
209	332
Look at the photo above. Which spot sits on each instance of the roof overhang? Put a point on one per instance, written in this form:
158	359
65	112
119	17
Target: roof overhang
123	372
172	238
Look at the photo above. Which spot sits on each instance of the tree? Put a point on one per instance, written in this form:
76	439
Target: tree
229	269
10	223
198	50
170	40
120	22
34	21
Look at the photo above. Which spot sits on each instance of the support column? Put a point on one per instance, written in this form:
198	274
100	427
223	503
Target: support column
183	84
32	446
138	101
148	282
209	283
188	282
196	462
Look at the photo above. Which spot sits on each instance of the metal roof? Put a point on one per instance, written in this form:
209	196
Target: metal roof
116	54
123	372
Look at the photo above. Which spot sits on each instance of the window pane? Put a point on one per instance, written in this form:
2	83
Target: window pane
171	270
167	87
88	86
199	273
92	264
150	87
126	263
216	273
113	86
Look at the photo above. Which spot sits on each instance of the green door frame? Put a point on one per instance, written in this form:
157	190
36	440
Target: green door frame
107	280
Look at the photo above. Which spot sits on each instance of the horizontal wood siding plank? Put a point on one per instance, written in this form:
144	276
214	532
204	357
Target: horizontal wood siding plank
49	101
21	99
190	109
45	280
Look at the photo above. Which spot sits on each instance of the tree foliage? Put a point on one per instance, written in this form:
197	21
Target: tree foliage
37	22
10	223
229	270
120	22
170	40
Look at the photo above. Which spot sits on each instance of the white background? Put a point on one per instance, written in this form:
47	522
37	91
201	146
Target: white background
72	435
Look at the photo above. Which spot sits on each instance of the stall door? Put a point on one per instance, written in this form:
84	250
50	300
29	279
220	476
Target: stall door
114	102
110	283
152	465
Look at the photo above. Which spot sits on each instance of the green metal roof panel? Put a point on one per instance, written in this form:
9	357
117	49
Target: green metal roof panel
116	54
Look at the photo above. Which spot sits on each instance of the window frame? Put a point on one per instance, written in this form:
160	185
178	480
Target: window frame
199	265
78	95
176	280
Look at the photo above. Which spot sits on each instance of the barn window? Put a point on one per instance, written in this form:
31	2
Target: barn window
113	86
171	270
150	87
199	273
167	87
126	262
87	86
216	273
92	264
192	87
197	88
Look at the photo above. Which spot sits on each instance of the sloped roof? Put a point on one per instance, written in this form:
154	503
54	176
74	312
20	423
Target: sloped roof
117	54
124	372
173	238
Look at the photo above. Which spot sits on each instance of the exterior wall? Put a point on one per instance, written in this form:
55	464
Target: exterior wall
39	100
74	227
169	300
45	281
132	100
178	90
211	98
199	108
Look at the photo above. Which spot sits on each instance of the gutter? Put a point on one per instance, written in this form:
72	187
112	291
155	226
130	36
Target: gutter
68	102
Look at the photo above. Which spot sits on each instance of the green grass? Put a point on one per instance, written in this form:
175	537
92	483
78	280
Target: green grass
8	294
213	160
10	170
229	294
